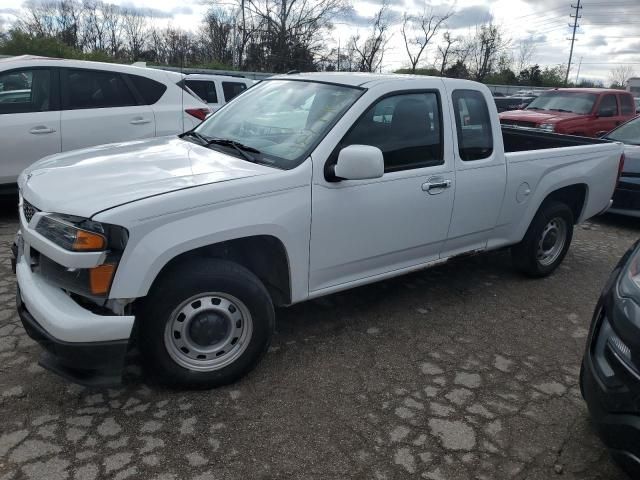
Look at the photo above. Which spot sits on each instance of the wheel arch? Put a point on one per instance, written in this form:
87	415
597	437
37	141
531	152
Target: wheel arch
574	196
264	255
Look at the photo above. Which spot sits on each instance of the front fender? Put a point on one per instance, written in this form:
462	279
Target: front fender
282	211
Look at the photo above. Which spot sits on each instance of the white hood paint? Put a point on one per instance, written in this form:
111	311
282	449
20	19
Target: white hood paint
84	182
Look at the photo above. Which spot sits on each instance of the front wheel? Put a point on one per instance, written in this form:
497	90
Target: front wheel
205	324
546	242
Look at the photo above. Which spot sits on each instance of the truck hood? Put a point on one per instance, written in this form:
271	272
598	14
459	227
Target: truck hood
539	116
84	182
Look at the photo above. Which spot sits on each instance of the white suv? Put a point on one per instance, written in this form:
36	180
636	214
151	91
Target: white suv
49	106
217	90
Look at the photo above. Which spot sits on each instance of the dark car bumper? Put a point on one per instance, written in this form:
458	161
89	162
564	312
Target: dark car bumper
90	363
610	378
626	198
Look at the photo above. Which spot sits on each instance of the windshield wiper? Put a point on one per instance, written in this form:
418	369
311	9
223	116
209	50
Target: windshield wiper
197	135
534	108
560	110
239	147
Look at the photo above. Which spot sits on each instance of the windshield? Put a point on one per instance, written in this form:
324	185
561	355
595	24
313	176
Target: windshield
574	102
282	119
628	133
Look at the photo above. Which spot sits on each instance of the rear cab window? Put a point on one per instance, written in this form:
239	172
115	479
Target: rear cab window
473	125
26	90
232	89
627	105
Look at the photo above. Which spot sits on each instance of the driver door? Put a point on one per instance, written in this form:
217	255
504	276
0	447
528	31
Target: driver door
363	230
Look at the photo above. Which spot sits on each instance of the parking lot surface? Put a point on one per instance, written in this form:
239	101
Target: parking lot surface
465	371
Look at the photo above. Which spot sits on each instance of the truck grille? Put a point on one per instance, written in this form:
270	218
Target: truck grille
518	123
28	210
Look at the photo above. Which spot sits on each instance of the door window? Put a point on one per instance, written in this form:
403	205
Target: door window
473	124
406	127
23	91
608	106
97	89
232	89
627	105
204	89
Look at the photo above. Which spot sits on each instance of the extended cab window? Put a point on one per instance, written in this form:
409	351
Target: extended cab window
23	91
627	105
405	127
608	106
473	124
232	89
206	90
97	89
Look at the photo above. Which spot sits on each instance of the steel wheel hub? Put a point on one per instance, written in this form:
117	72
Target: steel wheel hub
552	241
208	331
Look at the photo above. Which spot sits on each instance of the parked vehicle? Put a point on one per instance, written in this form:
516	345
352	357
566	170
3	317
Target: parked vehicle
217	90
50	106
626	199
526	93
505	104
610	373
305	185
588	112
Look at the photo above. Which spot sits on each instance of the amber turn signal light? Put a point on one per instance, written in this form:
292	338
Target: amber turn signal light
89	241
100	278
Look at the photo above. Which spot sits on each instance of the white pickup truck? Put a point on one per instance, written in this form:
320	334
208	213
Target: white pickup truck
305	185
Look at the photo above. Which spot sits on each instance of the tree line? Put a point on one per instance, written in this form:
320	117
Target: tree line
274	36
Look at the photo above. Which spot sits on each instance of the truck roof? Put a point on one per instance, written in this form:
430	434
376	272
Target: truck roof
587	90
354	79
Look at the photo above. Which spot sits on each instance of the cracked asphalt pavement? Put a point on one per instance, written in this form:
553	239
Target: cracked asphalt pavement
464	371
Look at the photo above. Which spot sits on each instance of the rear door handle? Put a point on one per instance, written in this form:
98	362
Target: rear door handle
435	184
41	129
139	121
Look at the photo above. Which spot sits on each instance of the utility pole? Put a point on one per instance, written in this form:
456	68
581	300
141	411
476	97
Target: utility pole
573	37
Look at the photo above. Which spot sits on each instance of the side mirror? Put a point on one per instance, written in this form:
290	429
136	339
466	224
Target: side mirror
359	162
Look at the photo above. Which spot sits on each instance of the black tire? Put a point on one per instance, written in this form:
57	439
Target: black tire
185	281
525	254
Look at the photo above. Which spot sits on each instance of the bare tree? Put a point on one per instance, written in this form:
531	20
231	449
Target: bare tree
524	54
446	51
293	29
418	30
488	46
113	24
134	25
619	75
370	51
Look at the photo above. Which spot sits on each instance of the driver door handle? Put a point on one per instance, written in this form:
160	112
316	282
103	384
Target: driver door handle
139	121
41	129
435	184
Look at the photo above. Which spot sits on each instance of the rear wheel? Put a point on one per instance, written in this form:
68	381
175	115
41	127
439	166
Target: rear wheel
206	323
546	242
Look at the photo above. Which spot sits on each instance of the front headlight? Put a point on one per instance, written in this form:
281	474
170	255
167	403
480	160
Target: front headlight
73	233
629	284
547	127
82	235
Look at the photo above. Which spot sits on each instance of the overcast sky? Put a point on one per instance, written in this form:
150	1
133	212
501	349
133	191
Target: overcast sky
609	33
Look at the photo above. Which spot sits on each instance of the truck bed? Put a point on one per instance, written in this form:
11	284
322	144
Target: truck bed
520	139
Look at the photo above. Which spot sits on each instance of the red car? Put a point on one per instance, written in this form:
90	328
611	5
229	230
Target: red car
589	112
